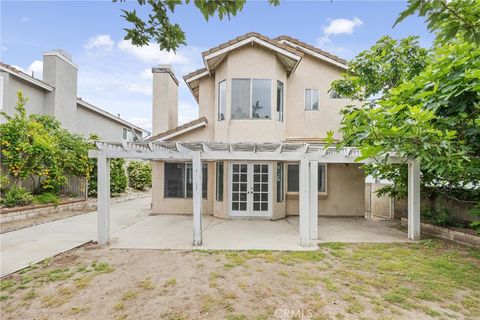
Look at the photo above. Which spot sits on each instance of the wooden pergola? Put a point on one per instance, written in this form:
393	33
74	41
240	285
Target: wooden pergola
308	155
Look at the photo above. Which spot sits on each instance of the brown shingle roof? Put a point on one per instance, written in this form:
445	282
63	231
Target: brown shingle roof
310	47
177	129
194	73
248	35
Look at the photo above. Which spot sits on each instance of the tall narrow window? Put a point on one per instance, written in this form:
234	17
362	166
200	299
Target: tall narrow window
251	99
280	182
222	100
279	101
219	181
311	99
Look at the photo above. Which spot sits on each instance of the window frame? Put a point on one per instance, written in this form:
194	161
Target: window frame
186	169
311	96
223	82
126	132
219	167
251	95
280	197
281	112
325	181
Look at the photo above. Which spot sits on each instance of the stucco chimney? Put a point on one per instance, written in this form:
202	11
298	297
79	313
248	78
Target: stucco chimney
165	99
60	72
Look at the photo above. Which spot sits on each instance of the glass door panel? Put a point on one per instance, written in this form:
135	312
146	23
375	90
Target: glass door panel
239	203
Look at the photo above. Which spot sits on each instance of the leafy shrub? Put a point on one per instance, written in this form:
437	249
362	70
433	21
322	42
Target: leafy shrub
46	198
118	178
442	217
139	175
475	212
16	196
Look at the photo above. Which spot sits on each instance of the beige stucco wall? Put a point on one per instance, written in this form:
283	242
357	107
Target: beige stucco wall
345	193
164	102
312	73
162	205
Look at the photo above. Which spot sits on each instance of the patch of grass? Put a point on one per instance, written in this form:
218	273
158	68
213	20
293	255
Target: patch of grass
30	295
398	296
119	306
77	310
426	295
63	295
236	317
208	302
328	283
170	282
471	303
355	307
291	258
7	284
146	284
58	274
129	295
101	267
83	281
4	297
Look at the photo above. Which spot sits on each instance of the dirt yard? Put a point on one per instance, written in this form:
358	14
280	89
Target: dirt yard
431	279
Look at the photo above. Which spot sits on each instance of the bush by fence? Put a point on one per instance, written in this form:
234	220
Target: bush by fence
139	175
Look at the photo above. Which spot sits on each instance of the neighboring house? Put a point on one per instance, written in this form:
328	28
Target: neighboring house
254	89
56	95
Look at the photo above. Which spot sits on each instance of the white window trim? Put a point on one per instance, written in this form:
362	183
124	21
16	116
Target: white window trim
251	108
218	105
283	102
286	176
311	95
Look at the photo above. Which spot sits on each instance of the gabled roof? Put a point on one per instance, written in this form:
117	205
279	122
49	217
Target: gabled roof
289	50
26	77
309	49
184	128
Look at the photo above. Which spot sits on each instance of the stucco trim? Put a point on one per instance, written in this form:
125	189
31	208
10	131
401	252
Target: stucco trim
59	55
11	70
187	127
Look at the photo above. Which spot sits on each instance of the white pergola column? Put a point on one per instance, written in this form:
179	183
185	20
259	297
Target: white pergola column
304	203
197	198
103	198
414	200
313	209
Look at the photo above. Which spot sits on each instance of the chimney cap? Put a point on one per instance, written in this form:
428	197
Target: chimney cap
62	54
165	68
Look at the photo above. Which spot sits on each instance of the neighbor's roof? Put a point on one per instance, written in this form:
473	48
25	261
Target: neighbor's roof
107	114
26	77
184	128
289	50
45	86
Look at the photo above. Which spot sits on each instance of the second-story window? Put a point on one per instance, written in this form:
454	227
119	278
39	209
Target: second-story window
222	99
279	101
127	134
251	99
311	99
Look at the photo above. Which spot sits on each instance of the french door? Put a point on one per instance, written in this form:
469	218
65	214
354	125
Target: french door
250	190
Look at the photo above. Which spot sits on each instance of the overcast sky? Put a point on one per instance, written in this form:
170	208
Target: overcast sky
116	76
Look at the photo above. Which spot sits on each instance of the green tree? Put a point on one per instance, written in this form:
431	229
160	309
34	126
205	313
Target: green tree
157	26
139	175
449	19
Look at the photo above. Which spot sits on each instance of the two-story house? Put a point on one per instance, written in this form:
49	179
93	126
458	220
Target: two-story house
255	90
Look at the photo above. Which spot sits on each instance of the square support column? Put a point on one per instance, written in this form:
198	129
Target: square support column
197	198
304	204
313	200
414	200
103	198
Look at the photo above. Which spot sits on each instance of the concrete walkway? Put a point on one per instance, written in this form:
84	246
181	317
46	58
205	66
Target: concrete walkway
132	227
30	245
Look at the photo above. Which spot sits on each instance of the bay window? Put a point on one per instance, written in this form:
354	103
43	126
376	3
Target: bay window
251	99
178	180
